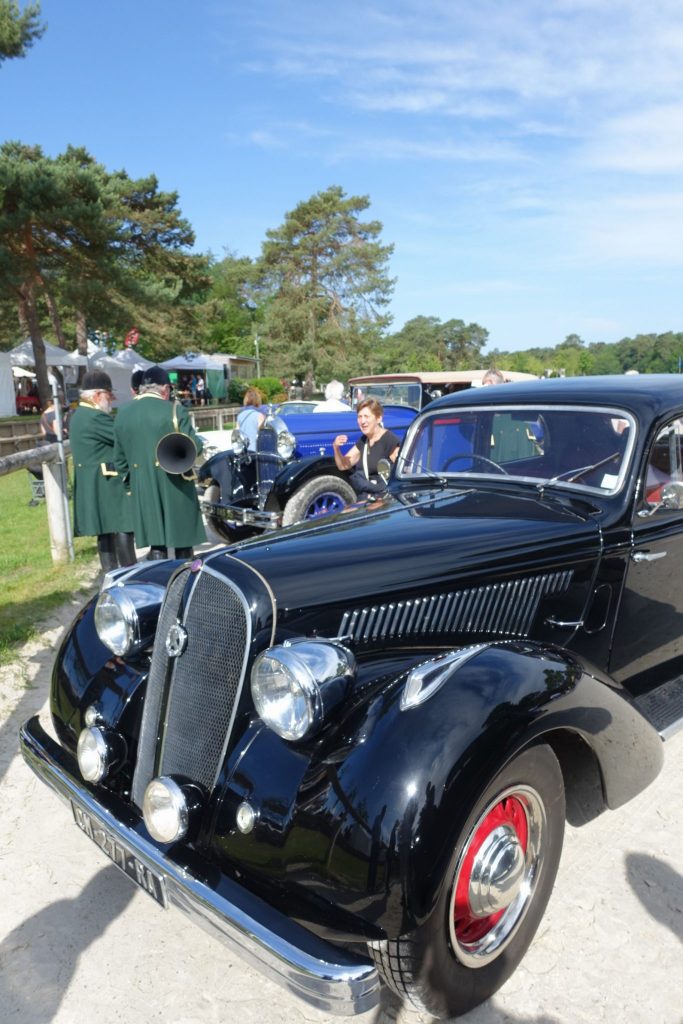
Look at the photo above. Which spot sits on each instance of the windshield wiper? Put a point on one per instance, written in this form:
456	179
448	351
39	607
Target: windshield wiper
570	476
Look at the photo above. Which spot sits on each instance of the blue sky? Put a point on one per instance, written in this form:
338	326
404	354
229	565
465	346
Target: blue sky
524	157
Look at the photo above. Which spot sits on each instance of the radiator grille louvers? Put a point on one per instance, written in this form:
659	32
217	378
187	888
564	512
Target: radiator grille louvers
498	609
191	700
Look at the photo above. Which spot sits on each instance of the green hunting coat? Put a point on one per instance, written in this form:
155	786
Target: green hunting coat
101	504
165	507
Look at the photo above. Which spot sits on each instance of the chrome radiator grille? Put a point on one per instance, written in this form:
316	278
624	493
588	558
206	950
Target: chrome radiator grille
498	609
268	462
191	700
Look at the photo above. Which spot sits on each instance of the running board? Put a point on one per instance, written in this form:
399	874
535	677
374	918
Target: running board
663	707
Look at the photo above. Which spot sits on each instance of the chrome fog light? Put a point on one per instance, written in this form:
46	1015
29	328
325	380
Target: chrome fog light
99	752
239	441
286	443
246	817
166	810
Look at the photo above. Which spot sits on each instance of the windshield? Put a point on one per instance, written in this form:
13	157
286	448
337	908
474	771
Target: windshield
588	448
406	393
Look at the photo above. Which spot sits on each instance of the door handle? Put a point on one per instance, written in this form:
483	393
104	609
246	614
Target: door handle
647	556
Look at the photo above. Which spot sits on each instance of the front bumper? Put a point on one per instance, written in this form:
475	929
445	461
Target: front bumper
237	516
314	970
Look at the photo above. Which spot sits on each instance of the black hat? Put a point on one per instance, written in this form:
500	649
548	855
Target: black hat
96	380
155	375
136	379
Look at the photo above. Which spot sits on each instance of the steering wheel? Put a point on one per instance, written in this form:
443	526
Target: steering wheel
473	455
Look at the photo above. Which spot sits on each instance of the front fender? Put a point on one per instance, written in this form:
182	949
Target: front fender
366	819
295	475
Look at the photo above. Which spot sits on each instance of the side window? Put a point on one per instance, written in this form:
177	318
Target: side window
666	460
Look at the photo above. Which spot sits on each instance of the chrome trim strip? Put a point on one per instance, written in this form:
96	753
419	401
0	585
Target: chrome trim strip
242	516
321	974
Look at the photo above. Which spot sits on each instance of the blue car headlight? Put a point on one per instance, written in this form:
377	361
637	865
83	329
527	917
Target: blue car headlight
295	686
126	616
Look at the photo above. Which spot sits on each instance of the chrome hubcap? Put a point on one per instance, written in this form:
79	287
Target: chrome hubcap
497	873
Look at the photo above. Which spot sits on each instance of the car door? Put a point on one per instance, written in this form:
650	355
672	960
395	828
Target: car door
648	638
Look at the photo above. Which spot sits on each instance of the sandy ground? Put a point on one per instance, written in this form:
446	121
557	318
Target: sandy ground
78	942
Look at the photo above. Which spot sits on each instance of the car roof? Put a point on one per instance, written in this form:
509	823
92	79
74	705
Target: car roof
647	395
438	377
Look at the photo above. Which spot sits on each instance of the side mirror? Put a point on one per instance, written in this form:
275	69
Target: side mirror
672	495
384	469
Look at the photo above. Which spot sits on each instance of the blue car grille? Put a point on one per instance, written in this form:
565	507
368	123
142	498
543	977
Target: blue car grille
191	700
268	462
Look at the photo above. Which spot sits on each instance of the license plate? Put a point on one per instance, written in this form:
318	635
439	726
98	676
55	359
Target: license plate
118	854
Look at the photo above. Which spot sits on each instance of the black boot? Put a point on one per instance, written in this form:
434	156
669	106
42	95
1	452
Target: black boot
106	551
184	552
125	549
156	553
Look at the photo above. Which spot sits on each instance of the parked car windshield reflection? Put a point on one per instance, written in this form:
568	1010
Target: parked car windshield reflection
562	446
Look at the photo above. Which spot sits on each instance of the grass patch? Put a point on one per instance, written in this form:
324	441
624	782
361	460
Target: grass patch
32	586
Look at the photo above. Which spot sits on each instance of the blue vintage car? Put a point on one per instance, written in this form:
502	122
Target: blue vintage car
292	475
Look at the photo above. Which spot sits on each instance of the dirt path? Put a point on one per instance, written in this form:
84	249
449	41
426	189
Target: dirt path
78	942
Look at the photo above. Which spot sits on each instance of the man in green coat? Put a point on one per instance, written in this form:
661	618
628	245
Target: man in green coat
165	506
102	508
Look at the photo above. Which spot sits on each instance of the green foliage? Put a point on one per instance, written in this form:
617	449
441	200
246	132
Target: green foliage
324	274
31	585
18	29
96	245
229	313
236	389
424	343
270	387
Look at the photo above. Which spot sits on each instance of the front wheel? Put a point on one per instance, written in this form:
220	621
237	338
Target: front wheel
493	895
319	497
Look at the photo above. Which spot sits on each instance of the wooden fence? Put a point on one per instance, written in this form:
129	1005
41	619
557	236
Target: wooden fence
52	459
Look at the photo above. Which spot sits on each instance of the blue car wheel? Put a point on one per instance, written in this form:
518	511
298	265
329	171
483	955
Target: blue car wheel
321	496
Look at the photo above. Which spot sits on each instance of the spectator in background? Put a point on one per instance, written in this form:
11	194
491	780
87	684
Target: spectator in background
200	391
250	417
334	393
135	381
492	376
102	508
48	425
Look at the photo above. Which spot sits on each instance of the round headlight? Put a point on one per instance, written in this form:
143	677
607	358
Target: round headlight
286	444
92	755
295	686
238	441
165	810
115	620
126	616
285	693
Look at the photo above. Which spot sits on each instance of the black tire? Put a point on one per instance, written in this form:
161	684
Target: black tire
319	497
463	953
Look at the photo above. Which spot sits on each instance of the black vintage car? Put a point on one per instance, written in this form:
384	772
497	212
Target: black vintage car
348	747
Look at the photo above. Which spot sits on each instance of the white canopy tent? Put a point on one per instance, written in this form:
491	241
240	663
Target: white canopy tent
193	361
120	366
7	399
22	355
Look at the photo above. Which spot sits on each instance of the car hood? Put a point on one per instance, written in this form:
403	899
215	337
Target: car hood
408	543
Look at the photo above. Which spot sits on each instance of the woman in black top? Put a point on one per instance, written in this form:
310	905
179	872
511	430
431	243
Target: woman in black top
375	443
